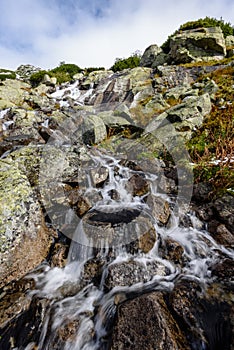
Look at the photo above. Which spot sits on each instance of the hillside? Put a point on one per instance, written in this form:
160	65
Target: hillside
116	205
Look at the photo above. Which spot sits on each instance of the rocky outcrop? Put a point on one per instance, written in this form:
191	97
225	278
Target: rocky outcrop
202	44
195	45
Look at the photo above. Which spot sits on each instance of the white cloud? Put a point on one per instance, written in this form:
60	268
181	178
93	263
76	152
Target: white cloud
93	33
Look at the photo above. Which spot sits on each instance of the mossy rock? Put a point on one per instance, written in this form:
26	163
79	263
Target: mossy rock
24	238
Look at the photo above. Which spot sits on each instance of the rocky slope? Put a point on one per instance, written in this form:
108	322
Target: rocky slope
61	144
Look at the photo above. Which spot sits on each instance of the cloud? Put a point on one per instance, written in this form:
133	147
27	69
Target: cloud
93	32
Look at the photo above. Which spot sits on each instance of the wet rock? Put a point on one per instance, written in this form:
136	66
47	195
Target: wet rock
93	270
223	270
173	251
95	78
201	192
159	208
129	228
206	320
120	88
99	175
221	234
146	323
138	185
14	300
59	255
128	273
24	238
20	331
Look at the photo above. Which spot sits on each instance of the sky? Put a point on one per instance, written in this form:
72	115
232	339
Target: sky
93	33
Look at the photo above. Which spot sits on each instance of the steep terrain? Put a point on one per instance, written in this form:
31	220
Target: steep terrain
116	205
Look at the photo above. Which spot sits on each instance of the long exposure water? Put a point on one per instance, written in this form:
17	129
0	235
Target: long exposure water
88	308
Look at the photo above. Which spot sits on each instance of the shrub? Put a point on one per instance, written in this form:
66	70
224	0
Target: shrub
63	73
68	68
36	78
124	63
206	22
7	74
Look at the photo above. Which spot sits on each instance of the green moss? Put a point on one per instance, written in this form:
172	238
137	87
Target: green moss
148	155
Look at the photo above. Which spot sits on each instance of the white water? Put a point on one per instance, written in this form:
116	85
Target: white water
91	305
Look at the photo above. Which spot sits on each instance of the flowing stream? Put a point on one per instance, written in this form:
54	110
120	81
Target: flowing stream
87	308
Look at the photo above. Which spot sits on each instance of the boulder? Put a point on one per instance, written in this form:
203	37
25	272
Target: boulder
94	130
24	237
146	323
180	119
128	273
201	44
13	93
150	55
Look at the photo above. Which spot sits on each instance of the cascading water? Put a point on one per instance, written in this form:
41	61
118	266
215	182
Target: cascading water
80	311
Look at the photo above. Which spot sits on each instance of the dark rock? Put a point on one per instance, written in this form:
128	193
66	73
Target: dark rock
224	209
146	323
159	208
206	320
138	185
173	251
59	255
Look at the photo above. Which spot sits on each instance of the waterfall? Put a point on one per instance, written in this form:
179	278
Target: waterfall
105	233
